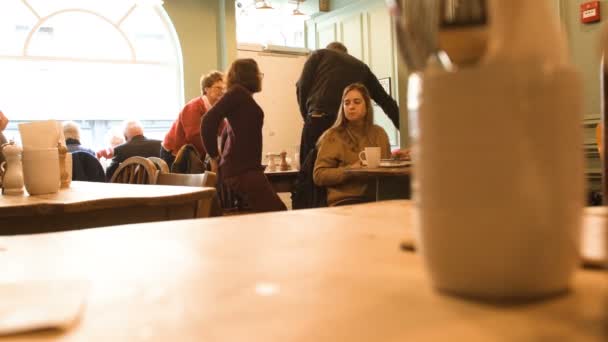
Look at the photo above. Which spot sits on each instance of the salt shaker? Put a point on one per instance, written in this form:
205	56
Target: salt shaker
271	163
12	170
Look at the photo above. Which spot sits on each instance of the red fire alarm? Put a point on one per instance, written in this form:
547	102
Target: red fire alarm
590	12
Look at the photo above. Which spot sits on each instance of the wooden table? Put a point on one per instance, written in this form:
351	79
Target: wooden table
88	204
282	181
391	182
331	274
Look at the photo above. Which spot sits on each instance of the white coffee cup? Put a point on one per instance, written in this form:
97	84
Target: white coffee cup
41	171
499	181
370	156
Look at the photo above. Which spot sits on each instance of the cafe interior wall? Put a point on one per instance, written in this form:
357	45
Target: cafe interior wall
207	35
206	31
583	41
364	26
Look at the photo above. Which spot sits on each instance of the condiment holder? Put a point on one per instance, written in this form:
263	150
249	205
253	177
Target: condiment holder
11	170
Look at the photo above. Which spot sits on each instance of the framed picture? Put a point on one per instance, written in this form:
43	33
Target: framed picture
386	84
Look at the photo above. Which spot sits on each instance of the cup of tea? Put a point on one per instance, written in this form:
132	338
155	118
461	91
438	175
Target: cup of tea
370	156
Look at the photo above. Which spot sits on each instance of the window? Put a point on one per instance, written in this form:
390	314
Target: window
93	61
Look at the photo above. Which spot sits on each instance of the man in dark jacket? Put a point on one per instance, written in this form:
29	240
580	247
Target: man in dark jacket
137	145
325	75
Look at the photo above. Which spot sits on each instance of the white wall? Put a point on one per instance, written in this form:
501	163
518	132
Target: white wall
282	121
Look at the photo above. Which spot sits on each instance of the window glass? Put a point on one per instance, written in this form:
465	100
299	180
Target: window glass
97	62
16	21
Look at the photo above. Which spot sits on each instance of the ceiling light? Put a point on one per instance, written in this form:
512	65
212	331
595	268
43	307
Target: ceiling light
263	4
296	11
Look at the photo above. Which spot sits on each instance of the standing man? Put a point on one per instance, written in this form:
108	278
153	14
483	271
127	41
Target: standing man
325	75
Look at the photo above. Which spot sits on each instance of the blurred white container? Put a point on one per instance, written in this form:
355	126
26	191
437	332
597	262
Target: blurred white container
41	171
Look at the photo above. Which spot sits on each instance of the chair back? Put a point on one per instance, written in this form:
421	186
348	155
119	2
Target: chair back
136	170
85	167
207	179
160	164
187	160
207	207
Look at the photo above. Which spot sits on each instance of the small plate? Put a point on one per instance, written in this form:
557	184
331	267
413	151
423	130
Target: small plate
395	163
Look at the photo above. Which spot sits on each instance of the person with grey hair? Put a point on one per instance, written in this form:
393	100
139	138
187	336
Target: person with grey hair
324	77
136	145
71	132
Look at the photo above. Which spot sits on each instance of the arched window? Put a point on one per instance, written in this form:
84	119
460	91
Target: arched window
89	60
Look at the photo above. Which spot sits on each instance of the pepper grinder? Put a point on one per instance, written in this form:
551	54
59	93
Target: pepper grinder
284	166
11	170
64	175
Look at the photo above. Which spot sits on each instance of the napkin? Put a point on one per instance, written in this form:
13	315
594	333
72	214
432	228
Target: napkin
40	304
41	134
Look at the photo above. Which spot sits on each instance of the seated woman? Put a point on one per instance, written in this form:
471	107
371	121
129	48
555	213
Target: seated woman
339	147
240	167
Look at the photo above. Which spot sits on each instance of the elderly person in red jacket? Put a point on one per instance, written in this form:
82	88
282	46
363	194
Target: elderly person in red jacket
186	129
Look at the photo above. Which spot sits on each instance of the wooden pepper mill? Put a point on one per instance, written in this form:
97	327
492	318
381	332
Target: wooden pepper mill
11	170
284	166
63	173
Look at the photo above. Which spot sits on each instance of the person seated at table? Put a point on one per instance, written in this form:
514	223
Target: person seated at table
137	145
186	129
71	132
114	138
339	147
240	168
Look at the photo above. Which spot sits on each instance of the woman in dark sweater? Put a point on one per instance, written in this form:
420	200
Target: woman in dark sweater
240	167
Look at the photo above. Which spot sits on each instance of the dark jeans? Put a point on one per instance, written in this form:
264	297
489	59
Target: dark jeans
256	190
314	126
167	157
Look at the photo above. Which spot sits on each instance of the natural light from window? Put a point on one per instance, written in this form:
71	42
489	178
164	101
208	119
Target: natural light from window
89	60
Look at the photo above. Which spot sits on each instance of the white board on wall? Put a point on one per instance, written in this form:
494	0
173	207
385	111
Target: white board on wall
282	119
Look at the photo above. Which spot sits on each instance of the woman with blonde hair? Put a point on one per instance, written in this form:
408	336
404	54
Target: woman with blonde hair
339	147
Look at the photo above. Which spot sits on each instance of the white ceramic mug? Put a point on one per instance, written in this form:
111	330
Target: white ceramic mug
41	171
499	181
370	156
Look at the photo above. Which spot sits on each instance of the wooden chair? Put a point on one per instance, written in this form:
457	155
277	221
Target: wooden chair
160	164
207	179
207	207
136	170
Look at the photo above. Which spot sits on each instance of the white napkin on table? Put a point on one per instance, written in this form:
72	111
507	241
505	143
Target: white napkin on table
38	304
